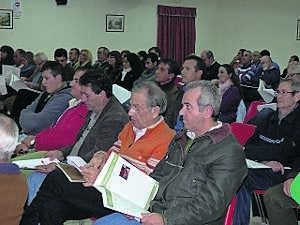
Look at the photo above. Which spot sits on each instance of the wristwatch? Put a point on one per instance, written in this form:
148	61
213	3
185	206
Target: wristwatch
32	142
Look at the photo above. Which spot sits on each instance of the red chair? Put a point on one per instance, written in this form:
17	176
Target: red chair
242	131
230	212
252	110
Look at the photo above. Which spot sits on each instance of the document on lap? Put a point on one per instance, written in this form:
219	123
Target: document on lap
71	169
32	163
124	187
257	165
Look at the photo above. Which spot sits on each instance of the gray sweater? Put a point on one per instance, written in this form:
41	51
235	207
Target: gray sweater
32	122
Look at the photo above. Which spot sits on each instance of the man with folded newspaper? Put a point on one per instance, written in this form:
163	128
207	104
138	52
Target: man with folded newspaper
275	143
202	170
143	142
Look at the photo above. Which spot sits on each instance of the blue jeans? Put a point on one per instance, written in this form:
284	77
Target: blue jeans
116	219
34	182
261	179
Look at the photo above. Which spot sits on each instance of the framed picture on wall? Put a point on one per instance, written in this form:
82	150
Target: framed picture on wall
298	30
6	19
115	23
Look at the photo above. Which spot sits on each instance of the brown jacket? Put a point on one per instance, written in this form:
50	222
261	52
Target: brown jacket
13	194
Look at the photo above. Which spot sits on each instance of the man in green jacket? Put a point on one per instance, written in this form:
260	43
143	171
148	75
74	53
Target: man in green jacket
280	201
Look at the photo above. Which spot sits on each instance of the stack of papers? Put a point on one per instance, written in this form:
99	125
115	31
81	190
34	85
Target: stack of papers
256	165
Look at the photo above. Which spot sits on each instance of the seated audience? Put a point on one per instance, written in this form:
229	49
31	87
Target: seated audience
85	58
100	130
35	80
114	71
164	76
61	56
13	186
24	96
212	66
6	56
270	74
275	143
229	87
143	56
248	79
50	104
143	142
294	59
202	170
74	58
281	201
193	69
28	67
63	133
101	62
132	69
148	74
156	51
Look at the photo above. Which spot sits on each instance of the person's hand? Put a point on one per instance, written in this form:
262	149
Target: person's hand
215	82
46	168
91	170
89	175
28	140
152	219
21	149
276	166
55	154
287	187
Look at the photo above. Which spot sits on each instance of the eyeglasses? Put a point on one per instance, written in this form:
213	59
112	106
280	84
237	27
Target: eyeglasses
284	92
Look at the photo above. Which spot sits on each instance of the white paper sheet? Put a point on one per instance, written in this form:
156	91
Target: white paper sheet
121	93
121	182
32	163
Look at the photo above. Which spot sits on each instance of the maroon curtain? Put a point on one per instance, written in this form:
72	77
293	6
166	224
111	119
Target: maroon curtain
176	33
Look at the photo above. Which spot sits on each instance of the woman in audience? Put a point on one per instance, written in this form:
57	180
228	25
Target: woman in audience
6	56
115	69
143	57
132	69
85	58
229	87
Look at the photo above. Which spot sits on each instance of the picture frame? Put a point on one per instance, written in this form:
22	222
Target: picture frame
115	23
298	30
6	19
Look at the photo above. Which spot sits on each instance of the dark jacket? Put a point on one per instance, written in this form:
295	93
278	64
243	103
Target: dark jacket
229	105
104	133
196	186
171	92
129	79
271	77
274	141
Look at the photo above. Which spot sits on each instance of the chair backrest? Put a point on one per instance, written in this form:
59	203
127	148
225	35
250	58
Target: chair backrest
230	212
242	131
252	110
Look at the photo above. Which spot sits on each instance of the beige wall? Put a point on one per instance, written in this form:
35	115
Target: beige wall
223	26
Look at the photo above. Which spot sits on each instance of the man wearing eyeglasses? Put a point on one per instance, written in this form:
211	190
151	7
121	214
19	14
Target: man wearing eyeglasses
275	143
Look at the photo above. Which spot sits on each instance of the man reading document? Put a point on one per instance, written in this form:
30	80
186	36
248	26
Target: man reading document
143	142
201	171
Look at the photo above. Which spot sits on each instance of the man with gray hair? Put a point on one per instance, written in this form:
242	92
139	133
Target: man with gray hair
143	142
13	186
201	171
